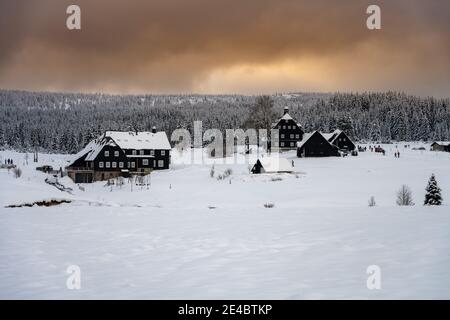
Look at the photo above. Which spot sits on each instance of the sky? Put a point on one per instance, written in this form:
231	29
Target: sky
225	46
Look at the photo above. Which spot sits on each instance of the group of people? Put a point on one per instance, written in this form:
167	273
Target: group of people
397	154
9	161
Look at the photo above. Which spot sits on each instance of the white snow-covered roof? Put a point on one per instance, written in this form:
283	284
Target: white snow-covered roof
96	149
92	149
88	148
275	164
445	143
333	135
125	140
286	117
306	137
140	140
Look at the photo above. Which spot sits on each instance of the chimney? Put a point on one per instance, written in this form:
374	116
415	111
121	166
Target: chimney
153	129
286	110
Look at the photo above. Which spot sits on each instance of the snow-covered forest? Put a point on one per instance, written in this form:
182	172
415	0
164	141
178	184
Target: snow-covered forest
64	123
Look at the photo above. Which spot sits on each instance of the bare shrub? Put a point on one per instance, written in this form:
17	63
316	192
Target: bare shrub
269	205
404	196
228	172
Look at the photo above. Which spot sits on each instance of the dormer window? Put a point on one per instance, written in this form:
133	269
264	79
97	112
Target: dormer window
141	152
152	152
134	152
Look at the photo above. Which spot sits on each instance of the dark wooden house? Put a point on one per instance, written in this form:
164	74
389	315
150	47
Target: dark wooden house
315	145
340	140
118	153
289	131
440	146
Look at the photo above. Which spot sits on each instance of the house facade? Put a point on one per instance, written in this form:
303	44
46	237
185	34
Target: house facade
289	131
118	153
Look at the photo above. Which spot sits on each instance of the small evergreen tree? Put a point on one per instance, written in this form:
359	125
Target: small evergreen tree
433	196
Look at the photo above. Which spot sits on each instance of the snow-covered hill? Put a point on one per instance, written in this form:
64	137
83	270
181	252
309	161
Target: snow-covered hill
189	236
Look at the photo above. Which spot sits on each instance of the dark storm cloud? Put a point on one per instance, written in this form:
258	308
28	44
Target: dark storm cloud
181	45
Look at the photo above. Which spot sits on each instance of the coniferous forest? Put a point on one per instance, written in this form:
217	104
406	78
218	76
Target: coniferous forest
64	123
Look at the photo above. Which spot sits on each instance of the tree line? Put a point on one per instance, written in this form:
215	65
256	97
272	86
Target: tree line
66	122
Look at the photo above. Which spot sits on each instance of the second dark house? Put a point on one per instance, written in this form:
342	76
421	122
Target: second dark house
440	146
315	145
340	140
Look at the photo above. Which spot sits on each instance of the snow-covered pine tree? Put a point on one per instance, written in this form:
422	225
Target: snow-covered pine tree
433	196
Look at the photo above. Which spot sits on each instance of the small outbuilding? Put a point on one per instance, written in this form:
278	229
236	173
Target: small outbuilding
272	165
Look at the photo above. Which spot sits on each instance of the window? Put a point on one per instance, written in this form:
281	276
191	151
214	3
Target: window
284	127
282	136
133	164
282	144
134	152
120	164
291	136
116	153
163	152
106	153
141	152
108	164
100	164
114	164
152	152
154	163
297	136
292	144
145	162
161	163
289	127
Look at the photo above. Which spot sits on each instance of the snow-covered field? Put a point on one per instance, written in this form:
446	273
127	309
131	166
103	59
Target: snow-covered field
190	236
